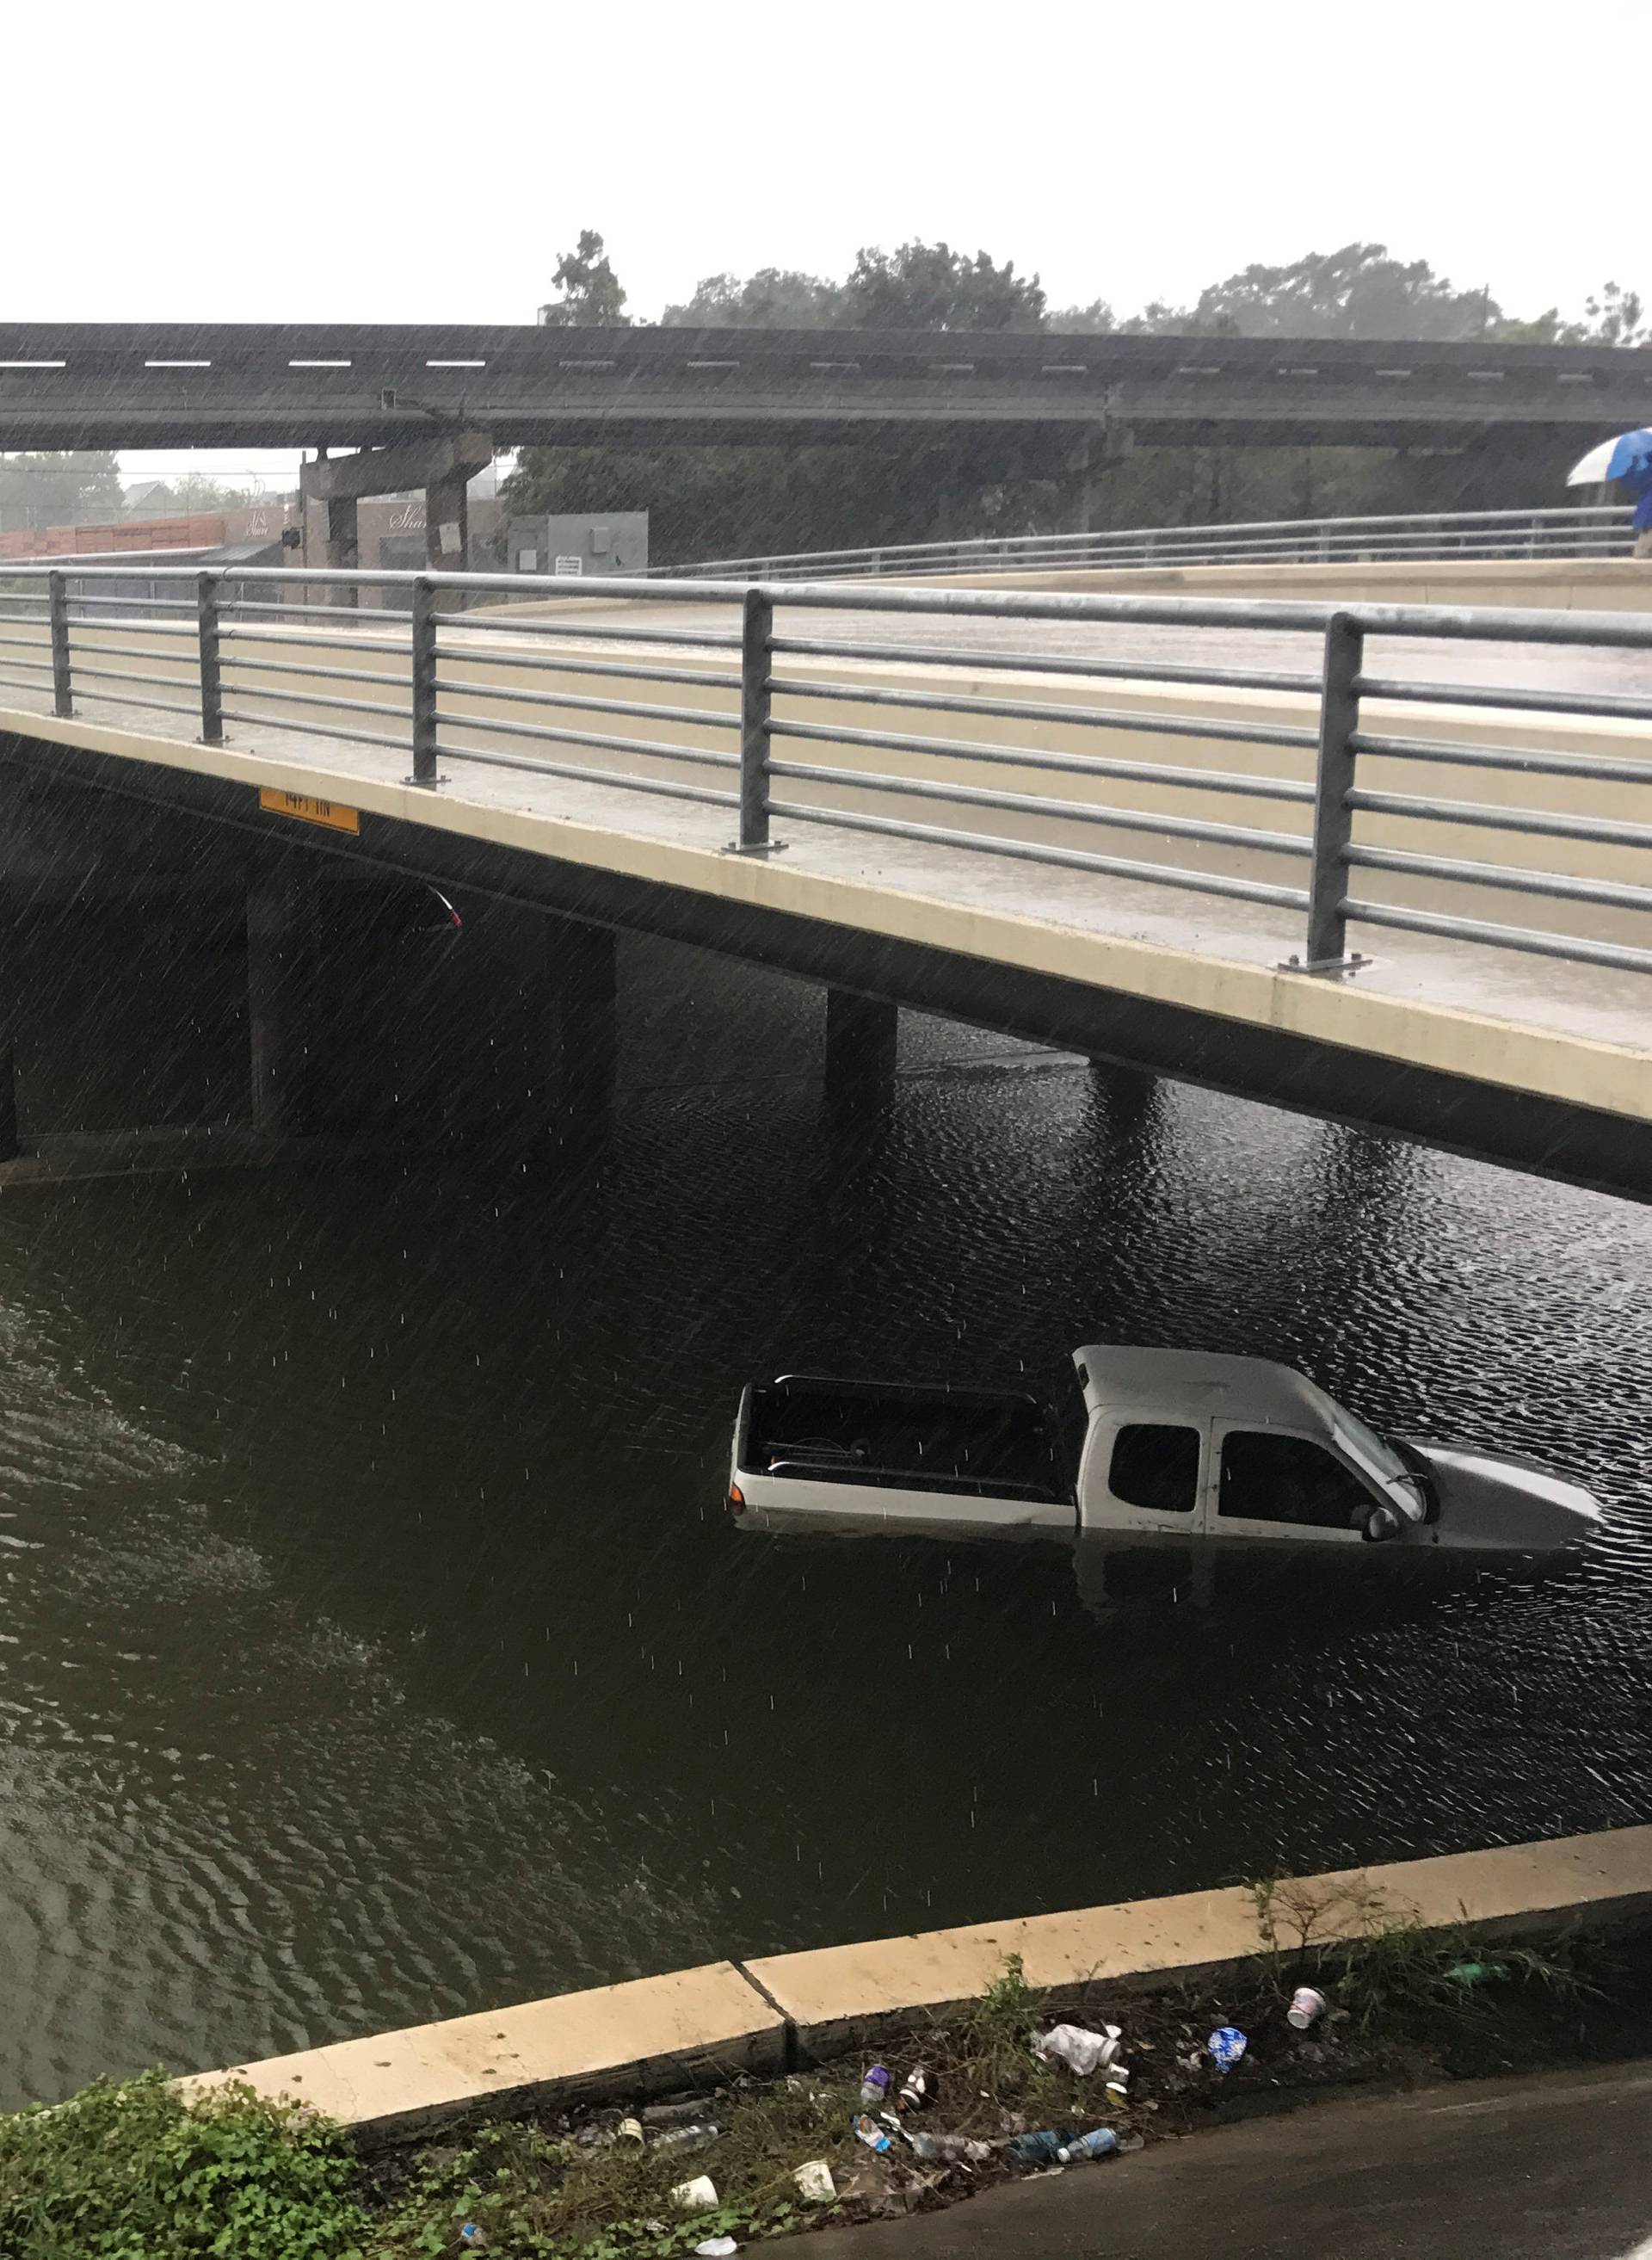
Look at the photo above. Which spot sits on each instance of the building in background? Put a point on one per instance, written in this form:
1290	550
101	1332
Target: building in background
252	535
571	545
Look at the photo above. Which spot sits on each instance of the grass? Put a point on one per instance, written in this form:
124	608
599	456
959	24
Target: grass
134	2172
533	2193
1385	1968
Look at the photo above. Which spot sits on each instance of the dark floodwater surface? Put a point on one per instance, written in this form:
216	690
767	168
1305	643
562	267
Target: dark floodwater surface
372	1645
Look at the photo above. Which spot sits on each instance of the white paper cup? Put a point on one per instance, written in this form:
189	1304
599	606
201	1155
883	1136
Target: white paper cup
1307	2007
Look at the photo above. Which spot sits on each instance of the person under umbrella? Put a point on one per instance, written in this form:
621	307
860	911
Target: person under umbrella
1628	460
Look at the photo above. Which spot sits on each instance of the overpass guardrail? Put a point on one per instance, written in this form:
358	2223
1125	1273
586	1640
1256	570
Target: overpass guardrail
753	723
1584	529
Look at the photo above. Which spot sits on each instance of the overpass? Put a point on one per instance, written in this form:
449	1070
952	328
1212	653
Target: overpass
1335	872
90	385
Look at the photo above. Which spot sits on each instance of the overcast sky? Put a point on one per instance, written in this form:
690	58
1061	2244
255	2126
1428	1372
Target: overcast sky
343	161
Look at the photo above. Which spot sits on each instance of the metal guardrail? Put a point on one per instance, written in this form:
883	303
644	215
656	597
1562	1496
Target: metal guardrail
1589	530
224	655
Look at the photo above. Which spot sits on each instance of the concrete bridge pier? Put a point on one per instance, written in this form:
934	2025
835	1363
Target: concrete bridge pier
581	1032
10	1003
278	914
443	465
531	1048
1091	462
862	1039
344	553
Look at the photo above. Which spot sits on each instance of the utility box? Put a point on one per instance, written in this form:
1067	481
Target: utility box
565	546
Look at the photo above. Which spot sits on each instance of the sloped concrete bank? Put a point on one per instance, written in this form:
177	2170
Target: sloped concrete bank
652	2035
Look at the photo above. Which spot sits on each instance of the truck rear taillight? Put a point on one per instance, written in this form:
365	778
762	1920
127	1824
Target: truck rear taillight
736	1500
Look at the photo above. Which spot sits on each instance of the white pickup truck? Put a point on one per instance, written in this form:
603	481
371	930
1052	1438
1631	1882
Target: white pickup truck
1144	1445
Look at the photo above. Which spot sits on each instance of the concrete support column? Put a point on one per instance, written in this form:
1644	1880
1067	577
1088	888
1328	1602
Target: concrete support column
581	1024
861	1035
447	523
343	548
10	1003
1088	465
275	927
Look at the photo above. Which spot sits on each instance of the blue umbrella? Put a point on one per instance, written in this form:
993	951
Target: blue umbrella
1629	456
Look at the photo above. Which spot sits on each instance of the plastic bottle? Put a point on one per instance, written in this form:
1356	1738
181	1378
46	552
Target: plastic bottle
1099	2144
1477	1973
1043	2149
1078	2048
673	2138
915	2092
947	2150
875	2088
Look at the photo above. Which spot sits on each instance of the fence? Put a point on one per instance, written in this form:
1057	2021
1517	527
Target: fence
757	728
1582	531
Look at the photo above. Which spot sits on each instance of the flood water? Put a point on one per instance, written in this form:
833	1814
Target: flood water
373	1646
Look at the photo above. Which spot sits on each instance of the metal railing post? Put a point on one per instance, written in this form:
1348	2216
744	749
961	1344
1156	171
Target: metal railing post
424	685
756	634
1332	818
57	615
211	673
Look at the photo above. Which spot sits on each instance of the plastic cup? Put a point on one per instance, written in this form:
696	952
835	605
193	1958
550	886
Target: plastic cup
1307	2007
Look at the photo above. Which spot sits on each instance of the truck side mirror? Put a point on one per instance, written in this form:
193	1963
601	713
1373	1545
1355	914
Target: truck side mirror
1382	1522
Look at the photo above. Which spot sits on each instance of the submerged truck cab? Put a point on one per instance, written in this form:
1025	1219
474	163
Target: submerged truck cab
1146	1447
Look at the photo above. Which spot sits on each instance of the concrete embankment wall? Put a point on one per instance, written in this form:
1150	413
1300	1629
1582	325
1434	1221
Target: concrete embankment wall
654	2034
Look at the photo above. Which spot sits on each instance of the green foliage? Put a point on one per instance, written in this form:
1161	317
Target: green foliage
592	296
774	298
51	489
1356	292
1385	1968
133	2172
538	2196
929	286
921	286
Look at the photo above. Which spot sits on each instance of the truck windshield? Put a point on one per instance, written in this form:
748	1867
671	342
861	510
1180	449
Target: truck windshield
1378	1458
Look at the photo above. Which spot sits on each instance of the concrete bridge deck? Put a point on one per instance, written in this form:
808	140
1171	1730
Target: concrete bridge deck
1537	1061
90	384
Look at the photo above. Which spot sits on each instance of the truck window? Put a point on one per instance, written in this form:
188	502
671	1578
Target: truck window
1157	1467
1267	1477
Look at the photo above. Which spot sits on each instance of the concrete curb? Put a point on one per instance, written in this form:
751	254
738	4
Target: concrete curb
654	2034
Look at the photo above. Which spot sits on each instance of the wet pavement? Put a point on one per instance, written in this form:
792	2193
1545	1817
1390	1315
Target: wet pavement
1540	2167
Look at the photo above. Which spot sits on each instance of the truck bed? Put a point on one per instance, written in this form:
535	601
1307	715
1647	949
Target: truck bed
969	1442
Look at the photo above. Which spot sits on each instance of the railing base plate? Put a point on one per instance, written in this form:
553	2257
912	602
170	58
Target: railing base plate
1333	968
768	847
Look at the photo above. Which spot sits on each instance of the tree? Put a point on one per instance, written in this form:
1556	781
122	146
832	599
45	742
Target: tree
1356	292
929	286
1613	317
1093	320
51	490
592	296
774	298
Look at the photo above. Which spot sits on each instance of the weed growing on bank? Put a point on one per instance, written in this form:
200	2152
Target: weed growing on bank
1388	1972
134	2172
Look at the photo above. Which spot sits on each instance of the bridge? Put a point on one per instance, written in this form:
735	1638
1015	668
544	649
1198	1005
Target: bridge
1365	860
310	384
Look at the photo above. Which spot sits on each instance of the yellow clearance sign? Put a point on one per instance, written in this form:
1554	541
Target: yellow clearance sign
331	813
